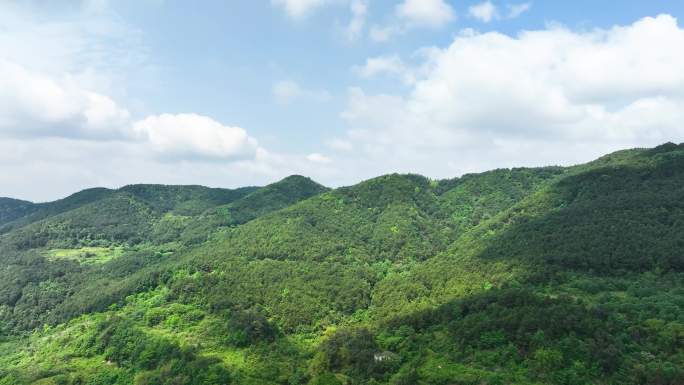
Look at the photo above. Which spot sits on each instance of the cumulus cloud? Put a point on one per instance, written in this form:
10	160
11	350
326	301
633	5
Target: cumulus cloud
540	97
57	74
195	136
32	104
288	91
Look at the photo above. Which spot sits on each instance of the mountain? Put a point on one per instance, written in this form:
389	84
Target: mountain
261	201
130	215
554	275
11	209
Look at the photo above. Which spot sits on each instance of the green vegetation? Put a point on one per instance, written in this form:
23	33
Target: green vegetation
85	255
11	209
550	275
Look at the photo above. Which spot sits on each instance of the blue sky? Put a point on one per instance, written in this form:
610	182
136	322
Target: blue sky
230	93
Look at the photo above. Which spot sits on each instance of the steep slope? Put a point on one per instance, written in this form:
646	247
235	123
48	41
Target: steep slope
319	260
393	217
620	214
576	283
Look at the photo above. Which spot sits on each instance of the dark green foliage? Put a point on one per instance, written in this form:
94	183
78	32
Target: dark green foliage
273	197
558	340
160	360
11	209
131	215
606	219
325	379
122	343
184	200
394	217
40	211
353	352
248	327
475	198
298	295
270	198
38	290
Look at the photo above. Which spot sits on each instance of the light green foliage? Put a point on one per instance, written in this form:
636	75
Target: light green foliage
85	255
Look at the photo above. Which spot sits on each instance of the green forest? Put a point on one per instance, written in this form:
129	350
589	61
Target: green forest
552	275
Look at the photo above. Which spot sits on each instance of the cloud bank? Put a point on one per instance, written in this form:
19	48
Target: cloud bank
541	97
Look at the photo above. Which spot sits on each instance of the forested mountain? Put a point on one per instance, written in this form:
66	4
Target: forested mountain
11	209
36	212
554	275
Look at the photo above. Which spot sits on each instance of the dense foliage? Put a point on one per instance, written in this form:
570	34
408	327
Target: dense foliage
515	276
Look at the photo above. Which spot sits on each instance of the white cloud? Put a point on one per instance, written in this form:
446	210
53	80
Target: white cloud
548	96
67	166
515	10
340	144
32	104
58	73
359	12
484	12
390	65
287	91
318	158
381	64
188	136
298	9
393	65
425	13
488	11
410	14
65	118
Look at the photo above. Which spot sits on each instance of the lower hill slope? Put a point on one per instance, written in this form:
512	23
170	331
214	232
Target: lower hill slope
524	276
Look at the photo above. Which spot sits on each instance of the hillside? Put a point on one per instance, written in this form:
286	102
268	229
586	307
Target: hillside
514	276
11	209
